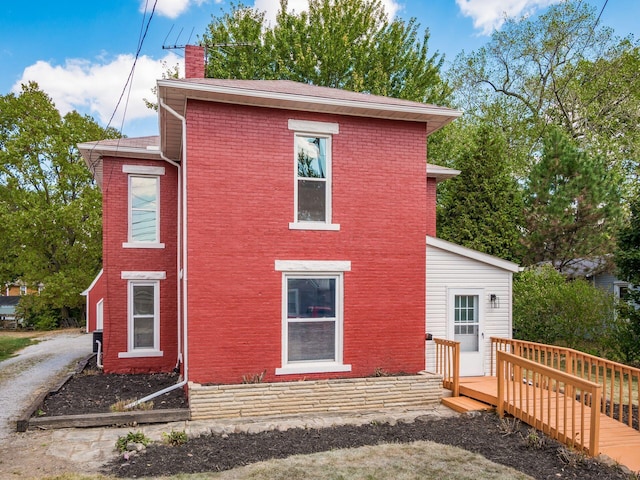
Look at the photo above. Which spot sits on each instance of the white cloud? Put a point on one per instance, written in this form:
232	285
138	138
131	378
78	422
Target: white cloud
94	87
271	7
488	15
171	8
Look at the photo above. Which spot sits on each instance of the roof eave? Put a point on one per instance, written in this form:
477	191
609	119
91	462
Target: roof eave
473	254
175	94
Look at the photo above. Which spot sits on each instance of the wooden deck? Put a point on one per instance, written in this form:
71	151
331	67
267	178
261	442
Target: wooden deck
617	441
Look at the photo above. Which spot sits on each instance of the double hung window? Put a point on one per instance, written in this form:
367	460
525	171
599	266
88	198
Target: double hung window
144	206
143	326
312	323
313	177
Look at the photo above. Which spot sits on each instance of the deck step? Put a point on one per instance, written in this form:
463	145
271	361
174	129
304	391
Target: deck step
465	404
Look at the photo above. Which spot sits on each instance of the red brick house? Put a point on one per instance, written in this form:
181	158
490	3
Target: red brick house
272	227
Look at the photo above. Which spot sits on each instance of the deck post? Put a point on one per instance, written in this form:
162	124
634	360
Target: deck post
594	430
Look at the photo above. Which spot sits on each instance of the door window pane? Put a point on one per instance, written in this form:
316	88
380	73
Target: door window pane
465	322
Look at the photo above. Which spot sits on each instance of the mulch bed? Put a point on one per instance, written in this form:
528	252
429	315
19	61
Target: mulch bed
92	391
535	455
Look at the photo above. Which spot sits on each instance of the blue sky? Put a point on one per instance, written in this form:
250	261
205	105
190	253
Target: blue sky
81	52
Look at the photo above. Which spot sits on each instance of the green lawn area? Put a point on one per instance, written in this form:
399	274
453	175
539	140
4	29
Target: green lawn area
10	344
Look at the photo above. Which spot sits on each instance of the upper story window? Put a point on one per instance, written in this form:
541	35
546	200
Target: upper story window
313	179
144	206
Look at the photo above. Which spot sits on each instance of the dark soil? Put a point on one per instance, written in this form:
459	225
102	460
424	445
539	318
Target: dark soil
534	455
507	443
92	391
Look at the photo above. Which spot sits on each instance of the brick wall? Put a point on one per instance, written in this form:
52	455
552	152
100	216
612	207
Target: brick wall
358	394
240	200
117	259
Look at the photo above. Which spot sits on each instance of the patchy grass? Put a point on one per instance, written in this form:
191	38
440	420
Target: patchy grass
9	344
413	461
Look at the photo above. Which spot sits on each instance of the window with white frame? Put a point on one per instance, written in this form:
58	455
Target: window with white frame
312	311
313	180
143	326
144	206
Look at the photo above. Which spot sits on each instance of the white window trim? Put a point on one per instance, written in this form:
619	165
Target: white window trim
309	126
313	268
304	266
100	314
126	275
143	278
142	171
324	130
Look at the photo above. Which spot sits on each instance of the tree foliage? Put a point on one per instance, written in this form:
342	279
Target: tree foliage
482	207
628	263
571	205
348	44
558	69
549	309
50	208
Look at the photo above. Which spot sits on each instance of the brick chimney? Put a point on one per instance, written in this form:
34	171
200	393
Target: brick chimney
193	61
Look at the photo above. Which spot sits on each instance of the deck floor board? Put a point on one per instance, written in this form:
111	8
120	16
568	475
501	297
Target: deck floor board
617	440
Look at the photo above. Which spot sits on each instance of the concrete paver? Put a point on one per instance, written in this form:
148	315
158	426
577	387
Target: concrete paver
91	448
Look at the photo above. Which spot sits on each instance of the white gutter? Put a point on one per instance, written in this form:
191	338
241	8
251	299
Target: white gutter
182	275
178	255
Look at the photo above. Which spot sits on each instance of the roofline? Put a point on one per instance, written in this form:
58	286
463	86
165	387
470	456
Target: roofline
473	254
441	173
248	95
120	151
95	280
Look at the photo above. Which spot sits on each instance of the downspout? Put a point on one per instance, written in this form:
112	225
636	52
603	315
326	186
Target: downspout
179	258
182	173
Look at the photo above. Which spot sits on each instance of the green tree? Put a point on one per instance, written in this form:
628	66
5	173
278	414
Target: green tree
50	208
482	207
628	263
558	69
572	204
348	44
549	309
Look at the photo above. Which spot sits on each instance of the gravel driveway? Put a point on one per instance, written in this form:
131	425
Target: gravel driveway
36	369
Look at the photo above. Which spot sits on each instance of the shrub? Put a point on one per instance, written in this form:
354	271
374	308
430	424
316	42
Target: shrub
549	309
131	437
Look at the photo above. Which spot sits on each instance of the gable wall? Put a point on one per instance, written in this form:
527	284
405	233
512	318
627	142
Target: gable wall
446	270
94	295
117	259
241	188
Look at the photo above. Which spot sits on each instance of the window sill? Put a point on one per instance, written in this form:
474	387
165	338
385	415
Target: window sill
335	227
318	367
142	245
141	354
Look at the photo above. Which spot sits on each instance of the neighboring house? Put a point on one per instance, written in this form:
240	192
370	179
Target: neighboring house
469	299
8	304
600	272
18	288
272	227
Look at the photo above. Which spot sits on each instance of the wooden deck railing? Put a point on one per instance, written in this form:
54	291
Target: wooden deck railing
619	382
561	405
448	364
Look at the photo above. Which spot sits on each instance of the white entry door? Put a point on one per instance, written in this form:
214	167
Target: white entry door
465	326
